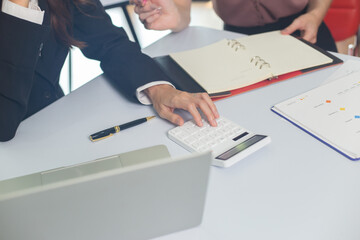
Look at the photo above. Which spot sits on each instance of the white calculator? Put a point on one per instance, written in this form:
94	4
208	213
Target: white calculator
228	142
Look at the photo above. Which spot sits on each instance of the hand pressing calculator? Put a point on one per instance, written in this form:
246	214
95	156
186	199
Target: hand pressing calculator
228	142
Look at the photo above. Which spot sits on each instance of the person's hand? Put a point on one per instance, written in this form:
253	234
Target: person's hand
166	99
308	24
160	14
24	3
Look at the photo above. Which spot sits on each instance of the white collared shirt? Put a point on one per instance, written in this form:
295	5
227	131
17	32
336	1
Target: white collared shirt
34	14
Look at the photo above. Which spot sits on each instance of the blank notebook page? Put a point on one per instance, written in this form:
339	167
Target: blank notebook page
232	64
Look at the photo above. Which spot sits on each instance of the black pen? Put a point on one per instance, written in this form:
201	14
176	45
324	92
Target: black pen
111	131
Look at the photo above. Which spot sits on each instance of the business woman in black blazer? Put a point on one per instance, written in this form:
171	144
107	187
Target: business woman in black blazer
32	55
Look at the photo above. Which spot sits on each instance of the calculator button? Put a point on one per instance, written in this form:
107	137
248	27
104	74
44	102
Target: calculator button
205	138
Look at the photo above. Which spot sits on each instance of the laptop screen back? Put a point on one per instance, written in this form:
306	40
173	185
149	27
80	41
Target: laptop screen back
141	201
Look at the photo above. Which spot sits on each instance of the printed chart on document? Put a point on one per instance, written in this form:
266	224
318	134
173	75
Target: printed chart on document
331	112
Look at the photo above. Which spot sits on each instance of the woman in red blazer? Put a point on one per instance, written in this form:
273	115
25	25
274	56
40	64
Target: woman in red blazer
32	55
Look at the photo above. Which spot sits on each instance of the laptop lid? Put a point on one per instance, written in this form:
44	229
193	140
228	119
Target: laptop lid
138	201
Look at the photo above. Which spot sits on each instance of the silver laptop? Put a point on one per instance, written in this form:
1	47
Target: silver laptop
137	195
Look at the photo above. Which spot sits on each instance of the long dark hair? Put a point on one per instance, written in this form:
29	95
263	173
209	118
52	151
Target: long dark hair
61	20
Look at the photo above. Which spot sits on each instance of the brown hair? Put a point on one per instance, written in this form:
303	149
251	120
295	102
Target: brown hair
61	20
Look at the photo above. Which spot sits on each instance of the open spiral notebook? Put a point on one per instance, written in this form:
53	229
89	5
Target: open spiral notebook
231	66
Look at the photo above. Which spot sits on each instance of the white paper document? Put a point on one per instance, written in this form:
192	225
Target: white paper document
330	112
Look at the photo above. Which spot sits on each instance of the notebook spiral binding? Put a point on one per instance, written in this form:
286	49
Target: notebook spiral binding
259	61
235	44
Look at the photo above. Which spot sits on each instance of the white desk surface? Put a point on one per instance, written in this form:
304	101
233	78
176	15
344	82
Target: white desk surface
295	188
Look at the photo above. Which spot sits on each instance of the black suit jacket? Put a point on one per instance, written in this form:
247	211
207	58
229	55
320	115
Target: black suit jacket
31	59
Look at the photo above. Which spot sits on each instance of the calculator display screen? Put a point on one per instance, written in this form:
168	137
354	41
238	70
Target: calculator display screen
240	147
